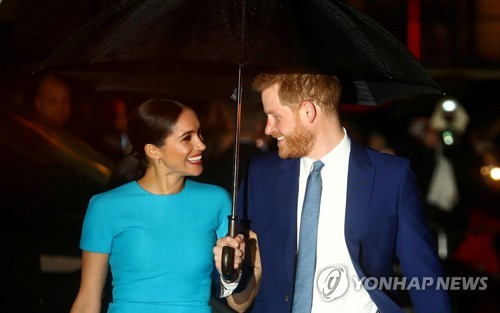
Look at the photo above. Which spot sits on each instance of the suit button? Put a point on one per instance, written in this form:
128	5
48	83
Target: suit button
287	298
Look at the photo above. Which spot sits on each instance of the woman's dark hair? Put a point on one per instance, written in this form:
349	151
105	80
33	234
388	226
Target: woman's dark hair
150	123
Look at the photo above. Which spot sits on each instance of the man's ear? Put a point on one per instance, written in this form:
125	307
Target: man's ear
309	110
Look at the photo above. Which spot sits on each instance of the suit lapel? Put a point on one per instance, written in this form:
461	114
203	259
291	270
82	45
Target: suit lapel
287	189
359	186
286	186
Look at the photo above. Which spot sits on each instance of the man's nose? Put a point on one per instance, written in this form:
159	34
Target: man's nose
269	127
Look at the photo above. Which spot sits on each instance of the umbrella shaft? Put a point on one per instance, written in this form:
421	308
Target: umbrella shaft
237	142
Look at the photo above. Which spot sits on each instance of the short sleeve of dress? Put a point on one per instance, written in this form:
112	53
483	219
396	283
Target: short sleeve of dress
96	232
224	212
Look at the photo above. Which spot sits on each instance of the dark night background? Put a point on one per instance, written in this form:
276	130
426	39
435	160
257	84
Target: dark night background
459	45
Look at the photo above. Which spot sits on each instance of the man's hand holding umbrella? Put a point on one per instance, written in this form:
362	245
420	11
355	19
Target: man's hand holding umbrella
246	254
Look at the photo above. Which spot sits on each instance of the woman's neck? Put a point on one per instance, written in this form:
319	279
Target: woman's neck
162	184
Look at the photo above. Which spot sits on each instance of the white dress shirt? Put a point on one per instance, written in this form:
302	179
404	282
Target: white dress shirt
331	245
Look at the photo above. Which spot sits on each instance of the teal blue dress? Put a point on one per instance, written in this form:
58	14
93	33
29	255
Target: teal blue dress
159	246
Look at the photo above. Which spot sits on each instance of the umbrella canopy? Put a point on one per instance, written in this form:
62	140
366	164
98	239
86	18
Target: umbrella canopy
195	47
201	48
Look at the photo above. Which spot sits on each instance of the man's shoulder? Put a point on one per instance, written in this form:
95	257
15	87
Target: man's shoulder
376	157
366	157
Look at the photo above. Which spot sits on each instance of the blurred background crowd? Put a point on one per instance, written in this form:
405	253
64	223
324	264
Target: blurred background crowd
59	142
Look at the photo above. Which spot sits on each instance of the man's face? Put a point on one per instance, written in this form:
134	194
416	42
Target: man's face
283	124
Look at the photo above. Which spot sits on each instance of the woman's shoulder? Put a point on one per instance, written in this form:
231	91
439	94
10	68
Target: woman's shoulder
205	187
117	192
203	194
118	200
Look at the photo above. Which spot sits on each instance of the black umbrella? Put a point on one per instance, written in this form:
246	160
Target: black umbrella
207	40
207	48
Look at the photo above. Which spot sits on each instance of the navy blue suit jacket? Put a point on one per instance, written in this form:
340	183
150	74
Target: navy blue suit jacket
383	219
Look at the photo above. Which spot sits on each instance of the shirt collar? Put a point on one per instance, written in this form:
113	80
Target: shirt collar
337	153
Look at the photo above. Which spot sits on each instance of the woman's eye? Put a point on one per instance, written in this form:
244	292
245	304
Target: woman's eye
187	138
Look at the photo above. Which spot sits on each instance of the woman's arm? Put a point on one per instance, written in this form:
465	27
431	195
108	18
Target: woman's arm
94	272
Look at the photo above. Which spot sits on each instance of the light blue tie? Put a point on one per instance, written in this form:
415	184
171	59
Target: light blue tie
306	259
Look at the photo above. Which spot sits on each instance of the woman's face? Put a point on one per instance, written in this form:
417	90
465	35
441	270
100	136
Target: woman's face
182	151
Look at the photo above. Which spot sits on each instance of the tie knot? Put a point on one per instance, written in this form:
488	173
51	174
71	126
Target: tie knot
317	166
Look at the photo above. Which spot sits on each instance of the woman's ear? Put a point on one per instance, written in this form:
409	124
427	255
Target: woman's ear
151	151
309	110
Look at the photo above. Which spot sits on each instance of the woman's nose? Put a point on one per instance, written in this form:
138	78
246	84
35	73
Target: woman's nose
201	145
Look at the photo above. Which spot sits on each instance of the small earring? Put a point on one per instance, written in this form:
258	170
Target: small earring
159	161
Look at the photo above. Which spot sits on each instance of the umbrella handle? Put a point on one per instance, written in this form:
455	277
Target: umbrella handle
229	274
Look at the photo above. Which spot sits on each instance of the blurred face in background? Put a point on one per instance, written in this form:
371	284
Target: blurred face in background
53	100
